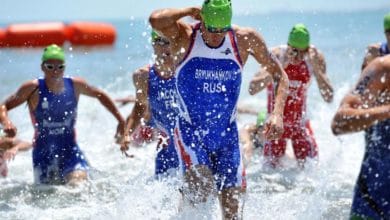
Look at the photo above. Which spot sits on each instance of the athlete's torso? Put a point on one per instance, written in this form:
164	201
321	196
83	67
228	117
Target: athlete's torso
162	101
55	116
299	76
208	82
378	139
379	134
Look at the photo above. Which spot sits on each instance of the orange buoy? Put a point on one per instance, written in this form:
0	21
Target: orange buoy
2	38
36	34
91	33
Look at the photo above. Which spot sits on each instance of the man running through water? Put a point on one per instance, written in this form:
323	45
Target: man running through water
367	107
301	61
52	101
155	104
379	49
211	56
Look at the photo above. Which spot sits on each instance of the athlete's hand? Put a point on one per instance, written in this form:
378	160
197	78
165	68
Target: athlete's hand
195	13
6	142
10	129
273	128
10	154
125	146
163	141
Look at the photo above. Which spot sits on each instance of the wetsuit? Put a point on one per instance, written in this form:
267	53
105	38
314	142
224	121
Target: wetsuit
296	126
164	111
55	150
208	83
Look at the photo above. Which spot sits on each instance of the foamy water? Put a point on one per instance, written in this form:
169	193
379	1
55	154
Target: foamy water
122	188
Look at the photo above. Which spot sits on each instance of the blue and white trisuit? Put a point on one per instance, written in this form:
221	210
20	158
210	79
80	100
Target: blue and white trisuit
55	150
372	190
164	110
208	84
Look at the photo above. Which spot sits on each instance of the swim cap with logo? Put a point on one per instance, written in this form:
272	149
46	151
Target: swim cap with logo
386	22
261	117
299	37
53	52
217	14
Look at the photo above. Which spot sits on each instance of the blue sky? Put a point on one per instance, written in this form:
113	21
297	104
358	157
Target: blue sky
68	10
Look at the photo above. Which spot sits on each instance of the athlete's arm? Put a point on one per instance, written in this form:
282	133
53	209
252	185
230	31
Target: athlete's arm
82	87
16	146
19	97
256	46
372	52
352	117
126	100
359	109
319	70
141	106
269	62
260	81
166	21
246	110
262	78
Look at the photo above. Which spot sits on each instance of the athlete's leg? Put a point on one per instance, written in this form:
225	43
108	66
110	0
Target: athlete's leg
167	161
198	185
230	202
273	151
302	145
198	176
73	168
229	174
76	177
314	147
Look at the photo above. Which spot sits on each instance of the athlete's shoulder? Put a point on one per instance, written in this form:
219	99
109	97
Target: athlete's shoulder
142	73
78	80
278	50
248	37
30	85
244	31
317	53
142	70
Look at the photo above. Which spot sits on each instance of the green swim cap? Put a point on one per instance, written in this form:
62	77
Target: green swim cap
53	52
217	13
261	117
299	37
154	35
386	22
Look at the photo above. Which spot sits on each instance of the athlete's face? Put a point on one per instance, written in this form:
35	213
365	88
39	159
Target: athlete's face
295	55
213	36
53	69
162	50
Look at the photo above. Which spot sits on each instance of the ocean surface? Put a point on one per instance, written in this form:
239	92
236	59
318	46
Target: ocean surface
122	188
